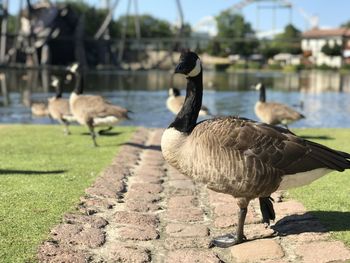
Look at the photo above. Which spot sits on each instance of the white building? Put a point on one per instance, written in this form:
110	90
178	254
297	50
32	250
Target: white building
314	39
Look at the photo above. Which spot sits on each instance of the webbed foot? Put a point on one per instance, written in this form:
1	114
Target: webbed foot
226	241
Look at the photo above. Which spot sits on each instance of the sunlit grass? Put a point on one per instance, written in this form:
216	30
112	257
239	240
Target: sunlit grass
329	197
42	175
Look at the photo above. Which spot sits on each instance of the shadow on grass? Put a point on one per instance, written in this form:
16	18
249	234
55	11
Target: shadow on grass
29	172
103	134
315	221
316	137
144	147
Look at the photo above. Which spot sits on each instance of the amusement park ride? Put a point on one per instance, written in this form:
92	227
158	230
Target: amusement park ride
45	32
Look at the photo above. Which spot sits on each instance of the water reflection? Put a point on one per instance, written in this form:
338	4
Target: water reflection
325	95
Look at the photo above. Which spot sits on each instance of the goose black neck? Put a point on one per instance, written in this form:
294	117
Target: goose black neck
79	83
262	97
186	119
59	91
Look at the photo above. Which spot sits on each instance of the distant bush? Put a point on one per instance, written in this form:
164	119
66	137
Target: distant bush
274	66
325	67
221	67
293	68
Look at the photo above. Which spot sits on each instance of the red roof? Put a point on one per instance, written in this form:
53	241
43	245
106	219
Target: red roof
334	32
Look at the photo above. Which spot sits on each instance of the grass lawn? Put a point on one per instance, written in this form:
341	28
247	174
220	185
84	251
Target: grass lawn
42	175
329	197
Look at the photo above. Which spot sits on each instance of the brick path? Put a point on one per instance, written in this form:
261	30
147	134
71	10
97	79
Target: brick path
141	210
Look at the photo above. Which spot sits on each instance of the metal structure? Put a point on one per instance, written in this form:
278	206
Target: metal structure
274	5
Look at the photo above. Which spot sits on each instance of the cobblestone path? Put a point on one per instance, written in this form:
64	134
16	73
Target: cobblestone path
142	210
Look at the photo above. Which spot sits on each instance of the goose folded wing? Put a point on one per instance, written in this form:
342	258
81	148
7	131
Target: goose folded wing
282	111
275	147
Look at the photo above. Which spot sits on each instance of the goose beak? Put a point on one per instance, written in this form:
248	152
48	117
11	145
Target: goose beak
181	68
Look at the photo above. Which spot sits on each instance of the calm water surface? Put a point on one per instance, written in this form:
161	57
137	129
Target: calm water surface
326	95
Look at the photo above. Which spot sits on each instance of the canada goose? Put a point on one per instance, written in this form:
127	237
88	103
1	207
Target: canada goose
58	107
175	101
274	113
39	109
238	156
93	110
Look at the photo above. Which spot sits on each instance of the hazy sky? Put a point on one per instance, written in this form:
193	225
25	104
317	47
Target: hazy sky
331	13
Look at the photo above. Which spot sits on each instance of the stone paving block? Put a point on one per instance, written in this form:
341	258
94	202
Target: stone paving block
68	234
184	214
257	251
105	188
181	187
142	206
186	230
90	221
53	253
215	198
258	231
126	253
182	201
136	219
187	242
323	252
141	233
150	179
146	197
307	237
224	209
289	207
146	188
192	256
95	204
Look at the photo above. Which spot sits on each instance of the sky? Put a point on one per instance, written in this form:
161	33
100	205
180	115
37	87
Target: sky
330	13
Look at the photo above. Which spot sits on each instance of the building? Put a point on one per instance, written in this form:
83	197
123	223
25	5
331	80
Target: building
314	39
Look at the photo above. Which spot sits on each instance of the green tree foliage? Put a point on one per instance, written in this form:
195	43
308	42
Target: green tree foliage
346	24
149	26
332	51
238	35
286	42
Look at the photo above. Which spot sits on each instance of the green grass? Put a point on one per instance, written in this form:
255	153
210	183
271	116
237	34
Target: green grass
32	202
329	197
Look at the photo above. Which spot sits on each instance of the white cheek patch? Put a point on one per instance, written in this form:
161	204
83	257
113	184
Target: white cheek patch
54	82
196	70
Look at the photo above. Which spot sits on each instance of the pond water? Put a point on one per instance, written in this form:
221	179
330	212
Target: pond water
326	95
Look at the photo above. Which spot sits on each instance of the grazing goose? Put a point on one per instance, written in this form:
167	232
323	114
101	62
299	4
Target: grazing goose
175	101
238	156
92	110
39	109
59	108
274	113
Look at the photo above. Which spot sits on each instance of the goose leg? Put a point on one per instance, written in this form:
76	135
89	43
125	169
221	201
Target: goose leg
92	132
233	239
66	129
267	211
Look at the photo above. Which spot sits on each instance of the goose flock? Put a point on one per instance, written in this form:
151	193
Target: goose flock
231	155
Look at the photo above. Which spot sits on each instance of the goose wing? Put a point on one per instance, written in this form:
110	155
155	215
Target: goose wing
97	106
281	111
273	147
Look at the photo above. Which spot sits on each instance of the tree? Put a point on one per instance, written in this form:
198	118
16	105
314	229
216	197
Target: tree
332	51
289	40
346	24
238	33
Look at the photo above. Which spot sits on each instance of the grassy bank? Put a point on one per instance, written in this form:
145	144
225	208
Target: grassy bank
42	174
329	197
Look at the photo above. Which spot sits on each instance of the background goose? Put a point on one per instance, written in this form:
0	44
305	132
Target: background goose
175	101
238	156
272	112
59	108
39	109
92	110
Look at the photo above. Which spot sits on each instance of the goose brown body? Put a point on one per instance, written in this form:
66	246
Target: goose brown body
276	113
96	110
59	109
39	109
175	103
